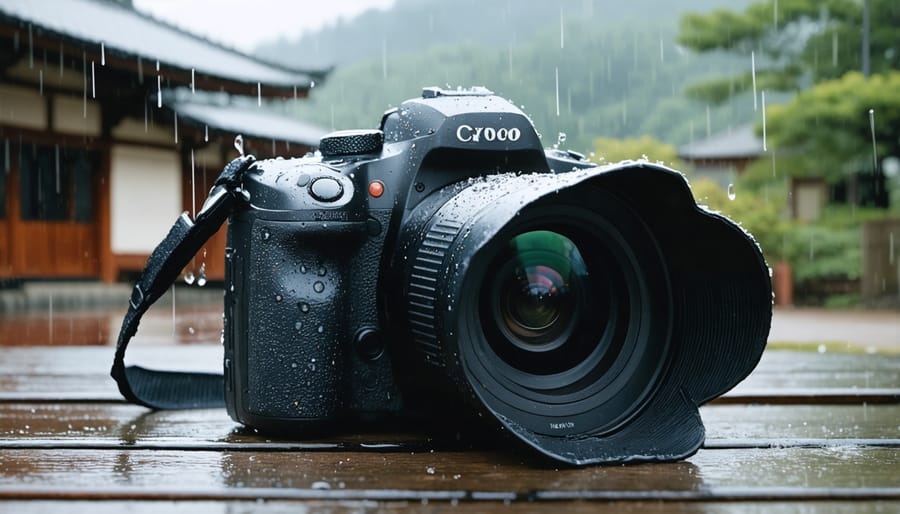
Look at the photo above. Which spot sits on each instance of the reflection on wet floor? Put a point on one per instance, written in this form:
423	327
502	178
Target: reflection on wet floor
189	324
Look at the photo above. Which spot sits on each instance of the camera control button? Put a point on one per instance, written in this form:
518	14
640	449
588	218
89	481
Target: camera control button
326	189
303	180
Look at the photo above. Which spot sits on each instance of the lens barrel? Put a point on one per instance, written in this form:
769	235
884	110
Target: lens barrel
567	307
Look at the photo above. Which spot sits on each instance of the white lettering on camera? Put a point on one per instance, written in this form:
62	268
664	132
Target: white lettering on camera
468	133
562	426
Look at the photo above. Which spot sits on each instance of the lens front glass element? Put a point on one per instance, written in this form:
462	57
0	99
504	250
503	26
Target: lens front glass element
536	299
541	309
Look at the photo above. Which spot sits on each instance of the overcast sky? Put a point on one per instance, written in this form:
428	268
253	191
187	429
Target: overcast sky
244	24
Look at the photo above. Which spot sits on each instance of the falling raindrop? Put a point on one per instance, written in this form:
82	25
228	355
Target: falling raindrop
775	14
753	74
561	138
891	248
93	82
84	81
189	278
176	128
812	248
239	144
41	81
30	49
57	171
140	70
834	49
874	150
102	54
731	194
708	122
158	90
557	91
312	84
61	59
763	99
193	81
201	277
259	94
562	30
662	50
206	133
384	58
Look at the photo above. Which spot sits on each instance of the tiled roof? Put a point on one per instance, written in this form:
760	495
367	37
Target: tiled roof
742	142
128	33
248	120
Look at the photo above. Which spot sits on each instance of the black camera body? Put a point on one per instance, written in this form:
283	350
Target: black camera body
447	259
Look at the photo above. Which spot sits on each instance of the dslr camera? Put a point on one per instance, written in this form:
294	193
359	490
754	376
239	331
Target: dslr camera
447	264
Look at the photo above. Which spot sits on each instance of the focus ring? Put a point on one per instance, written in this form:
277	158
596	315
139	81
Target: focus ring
427	268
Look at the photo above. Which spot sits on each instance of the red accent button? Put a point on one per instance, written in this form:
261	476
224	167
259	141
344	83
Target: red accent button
376	188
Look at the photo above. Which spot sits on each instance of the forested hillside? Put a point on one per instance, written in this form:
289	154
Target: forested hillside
581	67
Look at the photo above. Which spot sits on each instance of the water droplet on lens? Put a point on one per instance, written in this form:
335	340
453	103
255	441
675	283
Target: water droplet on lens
189	278
318	287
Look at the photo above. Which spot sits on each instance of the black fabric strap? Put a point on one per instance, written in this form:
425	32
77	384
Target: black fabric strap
168	389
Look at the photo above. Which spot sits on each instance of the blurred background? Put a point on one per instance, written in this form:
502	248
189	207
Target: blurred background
116	115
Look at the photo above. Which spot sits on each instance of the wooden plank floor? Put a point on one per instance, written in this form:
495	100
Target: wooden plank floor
806	432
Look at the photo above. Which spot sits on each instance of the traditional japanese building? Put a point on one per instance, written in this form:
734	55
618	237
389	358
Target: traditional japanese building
112	123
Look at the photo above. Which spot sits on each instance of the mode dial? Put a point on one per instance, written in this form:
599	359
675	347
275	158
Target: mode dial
351	142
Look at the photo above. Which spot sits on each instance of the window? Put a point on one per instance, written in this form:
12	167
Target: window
56	183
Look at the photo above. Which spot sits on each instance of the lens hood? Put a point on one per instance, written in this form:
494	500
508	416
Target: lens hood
675	308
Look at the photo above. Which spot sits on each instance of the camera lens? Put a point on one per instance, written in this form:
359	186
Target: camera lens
534	296
539	296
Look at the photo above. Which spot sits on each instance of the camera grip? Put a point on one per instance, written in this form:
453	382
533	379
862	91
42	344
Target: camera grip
296	292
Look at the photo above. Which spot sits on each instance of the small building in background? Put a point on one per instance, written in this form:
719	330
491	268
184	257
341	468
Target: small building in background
724	156
112	123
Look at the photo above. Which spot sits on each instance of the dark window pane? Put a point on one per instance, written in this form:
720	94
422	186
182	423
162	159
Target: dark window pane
81	162
45	184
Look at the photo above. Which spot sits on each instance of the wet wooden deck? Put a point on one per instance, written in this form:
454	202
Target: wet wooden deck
806	432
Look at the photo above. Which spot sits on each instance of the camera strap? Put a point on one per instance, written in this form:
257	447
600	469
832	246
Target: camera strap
170	389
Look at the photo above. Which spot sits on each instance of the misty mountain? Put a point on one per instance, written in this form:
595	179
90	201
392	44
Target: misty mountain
586	68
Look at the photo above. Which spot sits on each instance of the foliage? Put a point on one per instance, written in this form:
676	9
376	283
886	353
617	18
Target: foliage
818	252
830	126
756	214
614	150
795	42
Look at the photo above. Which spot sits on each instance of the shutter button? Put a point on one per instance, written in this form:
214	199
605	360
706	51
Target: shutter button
326	189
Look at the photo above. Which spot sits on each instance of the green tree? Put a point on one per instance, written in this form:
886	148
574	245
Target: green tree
794	42
608	149
832	127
